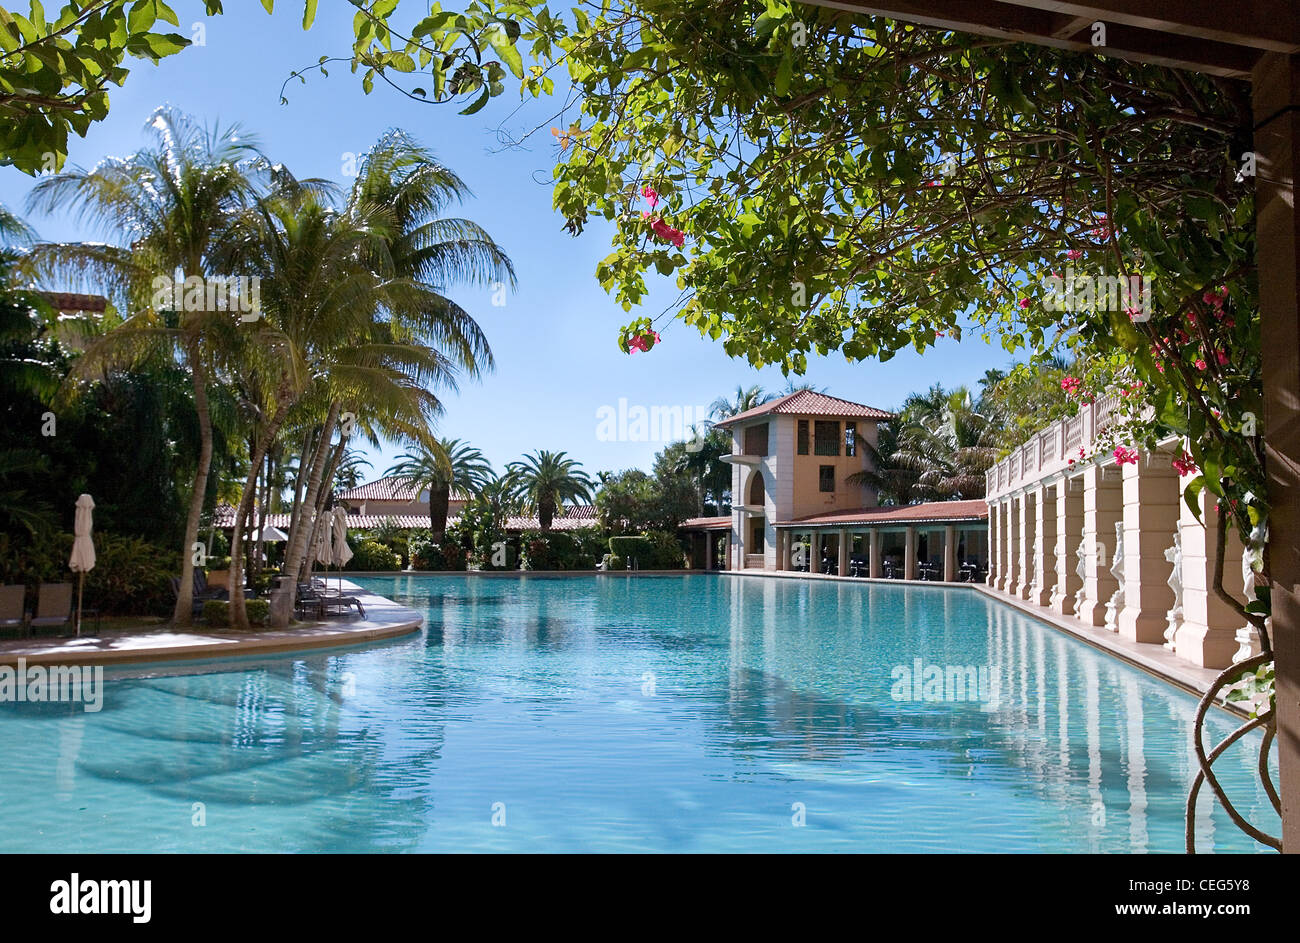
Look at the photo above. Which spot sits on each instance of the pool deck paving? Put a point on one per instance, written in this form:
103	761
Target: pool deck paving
384	619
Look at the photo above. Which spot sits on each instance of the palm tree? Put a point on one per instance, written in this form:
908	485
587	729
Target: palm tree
171	204
348	472
322	338
450	466
938	449
545	480
702	458
745	399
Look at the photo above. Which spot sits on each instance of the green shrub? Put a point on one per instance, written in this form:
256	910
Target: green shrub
258	610
633	547
426	554
372	555
216	612
653	550
561	550
666	552
130	577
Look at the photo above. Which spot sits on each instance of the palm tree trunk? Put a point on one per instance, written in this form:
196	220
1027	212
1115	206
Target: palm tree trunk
439	499
295	510
183	614
238	611
322	499
545	513
297	551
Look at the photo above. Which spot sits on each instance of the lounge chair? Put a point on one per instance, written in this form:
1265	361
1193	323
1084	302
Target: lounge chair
859	566
13	613
53	606
202	593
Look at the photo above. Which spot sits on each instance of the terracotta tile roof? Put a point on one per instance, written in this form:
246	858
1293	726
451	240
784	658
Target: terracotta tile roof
385	489
809	403
573	517
706	523
930	512
68	302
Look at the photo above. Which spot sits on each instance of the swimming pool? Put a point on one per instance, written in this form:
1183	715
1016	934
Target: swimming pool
675	713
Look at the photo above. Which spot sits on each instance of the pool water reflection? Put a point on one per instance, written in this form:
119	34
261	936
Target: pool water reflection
677	713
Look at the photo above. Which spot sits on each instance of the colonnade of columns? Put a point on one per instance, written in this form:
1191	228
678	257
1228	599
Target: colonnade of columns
1116	546
950	566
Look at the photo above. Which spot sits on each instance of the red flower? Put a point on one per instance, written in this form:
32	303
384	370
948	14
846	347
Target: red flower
651	195
1184	465
1070	384
1074	254
1221	357
1024	303
1200	364
1125	456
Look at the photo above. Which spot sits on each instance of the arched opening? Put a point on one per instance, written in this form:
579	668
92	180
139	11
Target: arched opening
756	498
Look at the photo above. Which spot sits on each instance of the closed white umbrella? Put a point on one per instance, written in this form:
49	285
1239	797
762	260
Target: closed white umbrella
273	535
83	547
324	550
342	552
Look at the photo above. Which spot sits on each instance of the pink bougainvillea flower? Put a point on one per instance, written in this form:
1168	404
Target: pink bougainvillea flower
932	183
1070	384
651	195
1200	364
1024	303
1184	465
666	232
1081	452
1133	312
1222	357
1160	366
1074	254
1125	456
642	342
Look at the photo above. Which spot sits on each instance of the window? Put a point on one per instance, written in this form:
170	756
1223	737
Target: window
826	479
803	436
850	438
826	438
756	440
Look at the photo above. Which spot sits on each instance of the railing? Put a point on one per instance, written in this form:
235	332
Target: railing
1053	449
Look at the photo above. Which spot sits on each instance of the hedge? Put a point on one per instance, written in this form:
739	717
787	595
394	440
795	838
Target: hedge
217	611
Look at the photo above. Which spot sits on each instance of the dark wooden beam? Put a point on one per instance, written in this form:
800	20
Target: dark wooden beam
1044	24
1259	24
1276	89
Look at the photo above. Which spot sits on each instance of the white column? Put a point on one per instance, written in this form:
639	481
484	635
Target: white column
1044	579
1152	498
873	553
909	554
1069	531
1207	636
950	554
842	563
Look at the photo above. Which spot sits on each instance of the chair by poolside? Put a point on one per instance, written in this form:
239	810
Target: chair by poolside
12	609
53	606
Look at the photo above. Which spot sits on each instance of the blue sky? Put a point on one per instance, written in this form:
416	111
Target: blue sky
555	338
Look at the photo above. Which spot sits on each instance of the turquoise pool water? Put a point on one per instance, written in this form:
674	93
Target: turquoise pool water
692	713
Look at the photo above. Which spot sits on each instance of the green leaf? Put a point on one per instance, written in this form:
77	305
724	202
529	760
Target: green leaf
477	104
309	14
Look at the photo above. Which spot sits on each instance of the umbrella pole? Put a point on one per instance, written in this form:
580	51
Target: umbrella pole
81	585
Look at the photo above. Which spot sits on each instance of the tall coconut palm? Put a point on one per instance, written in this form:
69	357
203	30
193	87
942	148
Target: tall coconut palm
322	335
426	250
450	466
171	205
545	480
745	399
